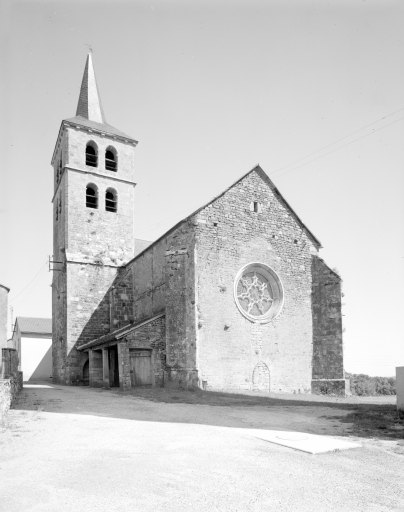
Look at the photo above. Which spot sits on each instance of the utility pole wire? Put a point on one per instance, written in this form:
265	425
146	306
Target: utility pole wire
350	134
30	282
289	168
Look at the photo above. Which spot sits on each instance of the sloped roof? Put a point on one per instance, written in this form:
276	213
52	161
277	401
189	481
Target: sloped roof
266	178
102	339
119	333
89	104
258	169
100	127
34	325
89	113
141	245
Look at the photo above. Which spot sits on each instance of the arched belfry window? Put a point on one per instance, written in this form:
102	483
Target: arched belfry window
91	196
91	154
111	200
111	160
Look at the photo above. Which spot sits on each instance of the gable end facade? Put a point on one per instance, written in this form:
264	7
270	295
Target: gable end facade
232	347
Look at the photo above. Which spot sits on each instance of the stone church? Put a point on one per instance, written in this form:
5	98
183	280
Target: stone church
233	297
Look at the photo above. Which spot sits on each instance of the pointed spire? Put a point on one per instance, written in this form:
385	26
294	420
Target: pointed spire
89	105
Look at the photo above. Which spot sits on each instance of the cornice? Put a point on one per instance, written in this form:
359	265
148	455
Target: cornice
91	173
87	129
103	133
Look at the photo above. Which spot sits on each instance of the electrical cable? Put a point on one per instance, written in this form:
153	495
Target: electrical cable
13	299
319	150
291	167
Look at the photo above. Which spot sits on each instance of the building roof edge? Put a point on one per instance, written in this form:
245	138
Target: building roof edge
263	175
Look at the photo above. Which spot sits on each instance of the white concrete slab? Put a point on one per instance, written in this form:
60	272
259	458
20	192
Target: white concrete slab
309	443
39	386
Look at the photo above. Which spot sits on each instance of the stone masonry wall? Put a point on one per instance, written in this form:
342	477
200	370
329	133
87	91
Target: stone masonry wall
149	336
10	380
121	300
91	244
59	281
327	322
229	235
75	153
59	319
9	363
88	304
96	235
81	313
181	306
95	368
3	315
163	281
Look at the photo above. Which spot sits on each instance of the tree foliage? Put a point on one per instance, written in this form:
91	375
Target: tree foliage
364	385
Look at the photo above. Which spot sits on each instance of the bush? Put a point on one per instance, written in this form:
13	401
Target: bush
364	385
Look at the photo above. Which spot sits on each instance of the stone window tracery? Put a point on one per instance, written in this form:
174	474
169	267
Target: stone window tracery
258	292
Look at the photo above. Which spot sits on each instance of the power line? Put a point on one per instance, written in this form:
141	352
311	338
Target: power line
43	265
302	161
339	147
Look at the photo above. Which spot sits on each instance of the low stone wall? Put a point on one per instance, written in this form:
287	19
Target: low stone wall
10	380
9	363
5	398
338	387
9	389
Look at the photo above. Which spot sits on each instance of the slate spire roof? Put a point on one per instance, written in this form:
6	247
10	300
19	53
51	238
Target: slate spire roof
89	113
89	105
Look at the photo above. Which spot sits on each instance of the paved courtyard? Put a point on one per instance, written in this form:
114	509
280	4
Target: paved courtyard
74	448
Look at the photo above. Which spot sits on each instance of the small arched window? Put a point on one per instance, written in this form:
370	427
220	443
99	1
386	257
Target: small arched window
91	196
91	154
110	200
110	159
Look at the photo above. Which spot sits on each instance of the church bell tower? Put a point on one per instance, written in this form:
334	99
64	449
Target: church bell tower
93	201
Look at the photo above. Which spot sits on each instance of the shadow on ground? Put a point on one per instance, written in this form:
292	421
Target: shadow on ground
374	421
371	420
317	415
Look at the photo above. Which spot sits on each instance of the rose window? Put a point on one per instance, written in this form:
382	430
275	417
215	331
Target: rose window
258	292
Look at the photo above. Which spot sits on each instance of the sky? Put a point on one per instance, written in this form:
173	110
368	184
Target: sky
313	91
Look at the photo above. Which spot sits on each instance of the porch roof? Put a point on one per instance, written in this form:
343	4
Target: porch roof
117	334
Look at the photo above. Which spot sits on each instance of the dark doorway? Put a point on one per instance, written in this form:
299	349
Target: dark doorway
86	374
140	368
113	367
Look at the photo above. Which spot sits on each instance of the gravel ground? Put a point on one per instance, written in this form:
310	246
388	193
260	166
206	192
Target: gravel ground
71	448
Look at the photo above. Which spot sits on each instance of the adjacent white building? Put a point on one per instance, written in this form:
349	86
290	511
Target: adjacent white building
32	337
400	387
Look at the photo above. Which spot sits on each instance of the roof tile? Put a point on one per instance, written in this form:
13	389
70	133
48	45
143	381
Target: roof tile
34	325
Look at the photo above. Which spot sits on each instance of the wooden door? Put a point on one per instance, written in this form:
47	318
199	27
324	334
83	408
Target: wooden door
113	366
140	367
